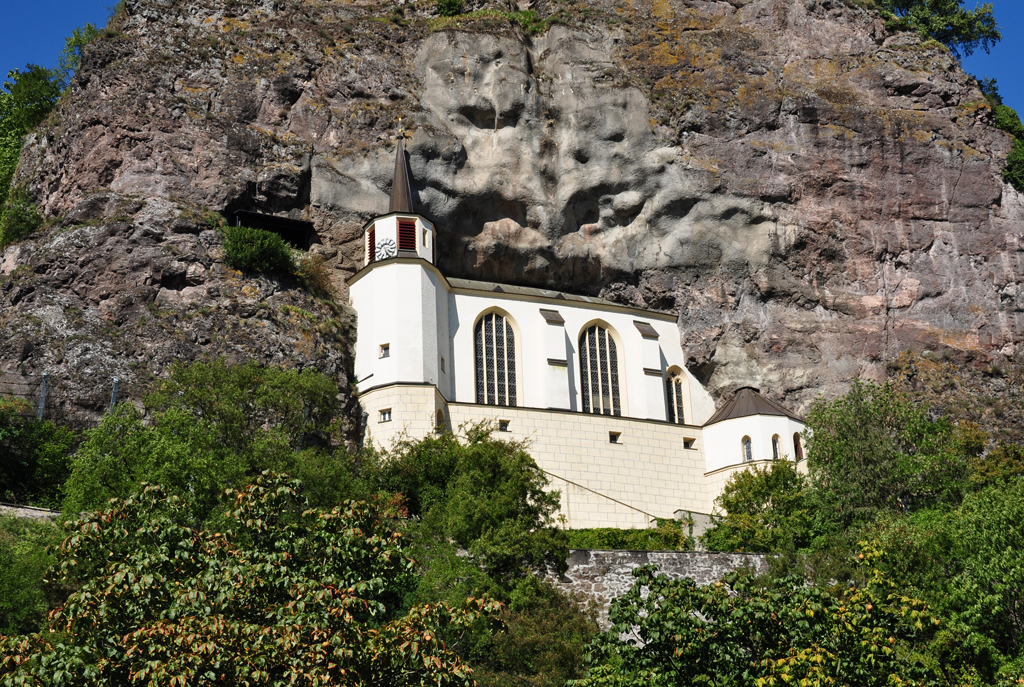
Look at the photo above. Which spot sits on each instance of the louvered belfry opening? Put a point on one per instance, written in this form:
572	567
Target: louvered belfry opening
407	234
599	372
674	398
371	245
495	361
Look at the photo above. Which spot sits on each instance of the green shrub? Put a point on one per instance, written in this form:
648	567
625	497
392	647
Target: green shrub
1013	173
669	535
24	560
1008	120
257	250
34	457
449	8
19	217
315	276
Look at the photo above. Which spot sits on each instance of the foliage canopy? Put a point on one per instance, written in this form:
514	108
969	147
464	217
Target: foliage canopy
743	631
282	594
963	31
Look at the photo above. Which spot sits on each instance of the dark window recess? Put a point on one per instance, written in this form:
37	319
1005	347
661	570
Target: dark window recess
406	234
299	233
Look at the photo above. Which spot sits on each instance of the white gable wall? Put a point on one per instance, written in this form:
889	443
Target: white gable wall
542	383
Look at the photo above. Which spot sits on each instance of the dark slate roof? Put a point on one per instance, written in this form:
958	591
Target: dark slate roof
401	189
749	401
474	285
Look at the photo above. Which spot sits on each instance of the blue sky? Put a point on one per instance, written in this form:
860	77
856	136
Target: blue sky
34	31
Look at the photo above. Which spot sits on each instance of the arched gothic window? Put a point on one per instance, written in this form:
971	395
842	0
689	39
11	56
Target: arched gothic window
495	361
798	450
776	449
674	397
748	453
599	372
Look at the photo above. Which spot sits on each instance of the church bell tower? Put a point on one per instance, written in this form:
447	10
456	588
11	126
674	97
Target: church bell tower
401	233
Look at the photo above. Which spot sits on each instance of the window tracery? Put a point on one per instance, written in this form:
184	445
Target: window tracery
495	349
599	372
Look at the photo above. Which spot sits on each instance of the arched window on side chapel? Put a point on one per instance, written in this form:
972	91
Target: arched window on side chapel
599	372
748	453
495	345
674	398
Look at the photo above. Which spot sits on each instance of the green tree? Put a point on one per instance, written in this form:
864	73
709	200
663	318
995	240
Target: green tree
18	217
481	495
873	450
743	631
26	98
282	595
71	56
215	426
968	563
962	31
765	510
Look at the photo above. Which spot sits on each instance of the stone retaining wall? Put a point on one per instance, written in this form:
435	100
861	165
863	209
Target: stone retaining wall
603	575
30	512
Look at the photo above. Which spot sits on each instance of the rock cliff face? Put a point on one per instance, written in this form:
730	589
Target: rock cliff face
809	194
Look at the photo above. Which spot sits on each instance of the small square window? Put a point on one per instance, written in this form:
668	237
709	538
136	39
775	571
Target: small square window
385	415
613	437
502	425
688	443
385	351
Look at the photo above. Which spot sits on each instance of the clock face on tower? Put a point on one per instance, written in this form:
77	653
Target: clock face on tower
386	248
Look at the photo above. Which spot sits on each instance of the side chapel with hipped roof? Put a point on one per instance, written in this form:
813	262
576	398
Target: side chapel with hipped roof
600	390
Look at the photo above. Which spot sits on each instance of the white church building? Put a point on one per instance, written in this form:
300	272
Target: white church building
599	390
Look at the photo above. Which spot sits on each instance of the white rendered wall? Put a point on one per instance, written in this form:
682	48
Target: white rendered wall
542	384
403	306
386	229
410	307
723	441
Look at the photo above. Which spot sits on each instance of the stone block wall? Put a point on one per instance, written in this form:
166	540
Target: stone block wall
648	473
8	510
601	576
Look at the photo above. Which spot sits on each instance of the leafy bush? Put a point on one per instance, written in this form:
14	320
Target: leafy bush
541	640
18	217
1013	173
280	595
213	426
25	598
315	276
669	535
34	456
968	564
449	8
766	509
744	631
257	250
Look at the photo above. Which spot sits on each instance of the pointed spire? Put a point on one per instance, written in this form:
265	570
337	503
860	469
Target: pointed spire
401	189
